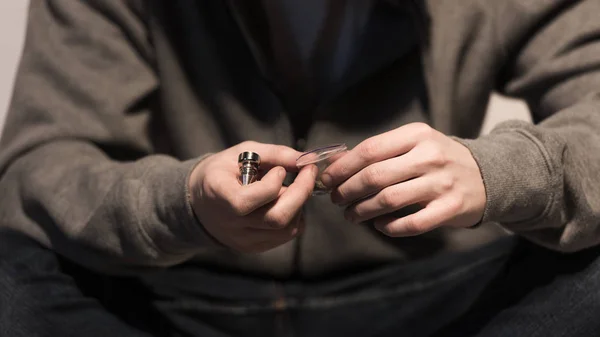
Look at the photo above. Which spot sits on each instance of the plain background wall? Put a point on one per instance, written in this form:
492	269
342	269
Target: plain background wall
12	29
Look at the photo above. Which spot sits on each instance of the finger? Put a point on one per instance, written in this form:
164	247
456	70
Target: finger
258	219
337	156
391	199
245	199
376	177
272	155
267	239
437	213
381	147
290	203
281	191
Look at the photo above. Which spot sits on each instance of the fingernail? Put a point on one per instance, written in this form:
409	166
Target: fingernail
282	173
326	179
315	170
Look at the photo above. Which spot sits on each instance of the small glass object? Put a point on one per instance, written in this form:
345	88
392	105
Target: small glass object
322	157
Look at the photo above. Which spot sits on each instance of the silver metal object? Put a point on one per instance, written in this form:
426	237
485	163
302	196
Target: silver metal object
249	163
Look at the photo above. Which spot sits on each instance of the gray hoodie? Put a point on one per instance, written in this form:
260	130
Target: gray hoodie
116	101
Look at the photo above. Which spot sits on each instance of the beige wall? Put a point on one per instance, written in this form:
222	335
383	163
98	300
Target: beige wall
12	28
501	109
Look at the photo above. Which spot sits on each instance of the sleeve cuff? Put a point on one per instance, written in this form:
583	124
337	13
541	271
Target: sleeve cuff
517	174
182	233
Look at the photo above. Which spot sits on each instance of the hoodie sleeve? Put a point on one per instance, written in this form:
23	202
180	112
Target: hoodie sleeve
78	169
543	180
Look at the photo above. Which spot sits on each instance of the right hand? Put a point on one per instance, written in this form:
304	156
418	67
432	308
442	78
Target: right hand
256	217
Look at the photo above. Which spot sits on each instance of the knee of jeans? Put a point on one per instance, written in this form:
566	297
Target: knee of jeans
20	258
25	269
576	275
591	266
18	251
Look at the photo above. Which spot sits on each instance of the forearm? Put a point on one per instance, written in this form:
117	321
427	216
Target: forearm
542	180
110	216
78	169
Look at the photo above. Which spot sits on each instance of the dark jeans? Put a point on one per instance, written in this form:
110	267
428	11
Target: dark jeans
511	288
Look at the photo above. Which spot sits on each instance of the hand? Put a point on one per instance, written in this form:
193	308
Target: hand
256	217
411	165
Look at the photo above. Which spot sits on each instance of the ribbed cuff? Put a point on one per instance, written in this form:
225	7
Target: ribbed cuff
185	234
517	175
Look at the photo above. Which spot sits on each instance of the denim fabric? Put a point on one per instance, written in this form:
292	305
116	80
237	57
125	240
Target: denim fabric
506	289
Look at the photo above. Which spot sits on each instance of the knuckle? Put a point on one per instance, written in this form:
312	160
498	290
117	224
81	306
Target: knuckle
340	194
368	149
413	226
434	155
248	144
388	198
423	130
344	171
279	219
389	230
373	177
446	183
456	204
282	149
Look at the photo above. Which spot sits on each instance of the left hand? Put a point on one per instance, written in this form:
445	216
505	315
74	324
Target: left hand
411	165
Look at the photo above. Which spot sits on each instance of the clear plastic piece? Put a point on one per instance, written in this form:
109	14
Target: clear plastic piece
322	157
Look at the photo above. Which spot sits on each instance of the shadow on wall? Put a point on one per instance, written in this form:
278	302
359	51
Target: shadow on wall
12	32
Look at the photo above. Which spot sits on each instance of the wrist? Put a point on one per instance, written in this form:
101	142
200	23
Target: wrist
516	176
193	193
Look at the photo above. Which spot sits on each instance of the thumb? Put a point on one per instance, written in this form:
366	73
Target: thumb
273	155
